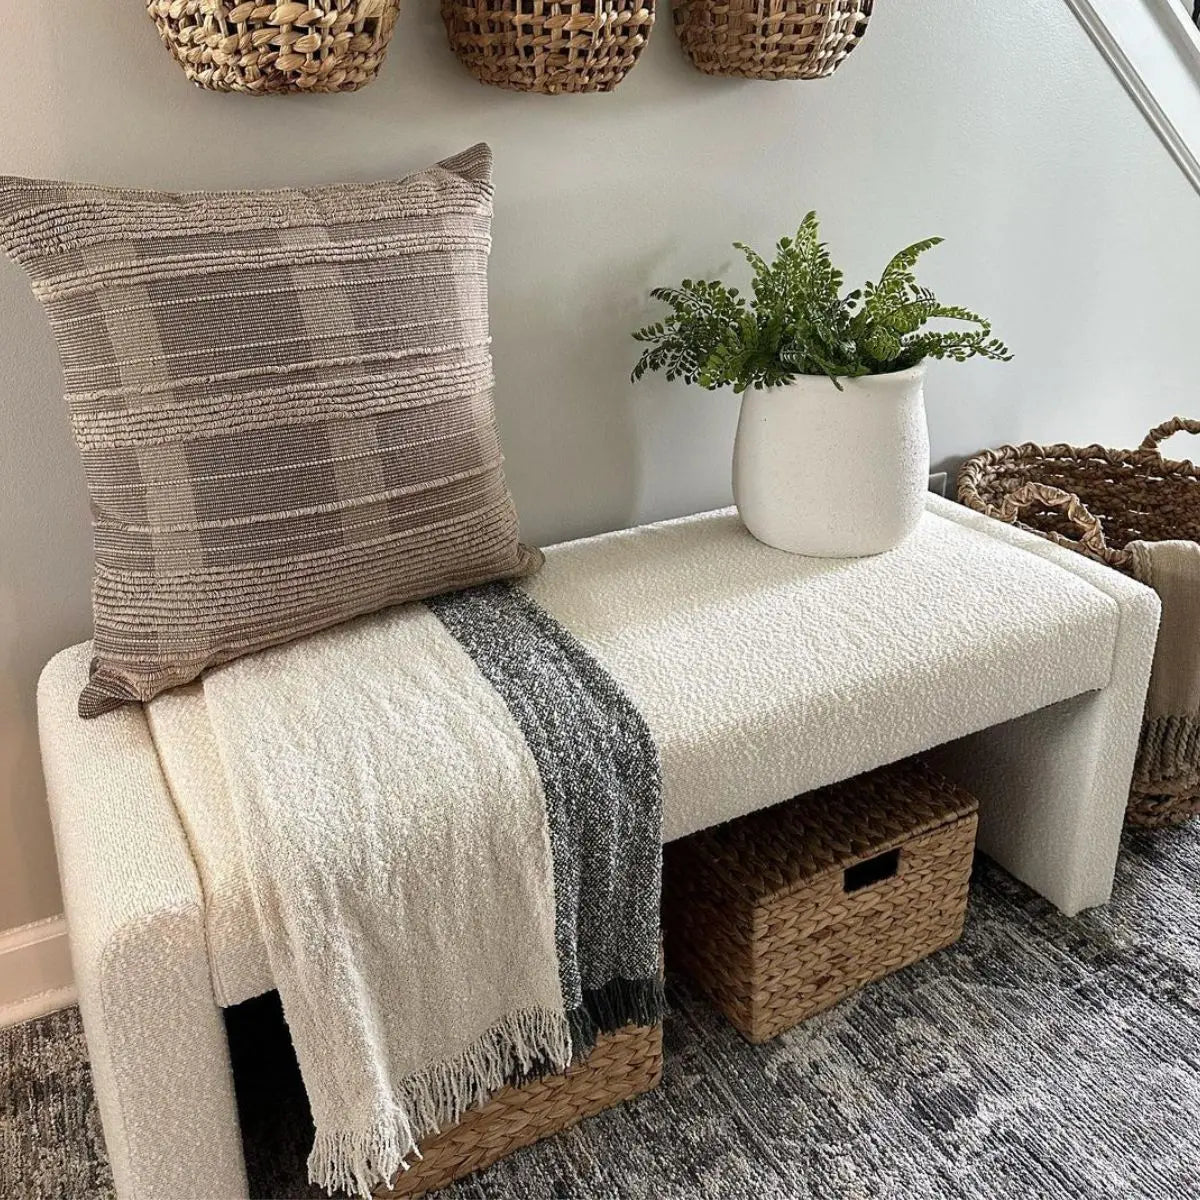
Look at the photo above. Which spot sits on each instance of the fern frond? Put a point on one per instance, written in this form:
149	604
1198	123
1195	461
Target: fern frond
903	261
798	322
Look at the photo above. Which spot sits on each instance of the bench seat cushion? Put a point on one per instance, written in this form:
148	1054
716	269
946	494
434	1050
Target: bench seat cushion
761	675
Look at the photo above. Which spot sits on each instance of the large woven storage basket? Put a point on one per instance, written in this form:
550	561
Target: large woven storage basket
1096	501
622	1065
770	39
780	914
319	46
549	46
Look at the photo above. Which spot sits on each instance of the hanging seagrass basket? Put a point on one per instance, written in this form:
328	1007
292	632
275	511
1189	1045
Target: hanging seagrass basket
321	46
549	46
1096	501
770	39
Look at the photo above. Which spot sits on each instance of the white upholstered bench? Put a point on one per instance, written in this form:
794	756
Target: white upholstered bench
760	675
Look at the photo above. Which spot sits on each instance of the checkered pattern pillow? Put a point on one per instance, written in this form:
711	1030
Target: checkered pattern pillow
283	404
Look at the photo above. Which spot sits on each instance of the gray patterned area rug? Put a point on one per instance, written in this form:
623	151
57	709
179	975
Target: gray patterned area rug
1040	1057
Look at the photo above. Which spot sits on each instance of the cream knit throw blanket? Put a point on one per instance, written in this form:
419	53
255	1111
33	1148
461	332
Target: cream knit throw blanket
1168	761
434	935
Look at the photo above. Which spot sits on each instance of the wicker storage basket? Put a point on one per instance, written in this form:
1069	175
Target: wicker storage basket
1096	500
622	1065
320	46
770	39
549	45
784	912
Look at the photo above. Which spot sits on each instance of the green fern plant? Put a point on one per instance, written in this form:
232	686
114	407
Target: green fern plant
798	322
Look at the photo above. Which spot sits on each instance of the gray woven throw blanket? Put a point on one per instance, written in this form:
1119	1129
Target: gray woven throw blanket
600	774
451	819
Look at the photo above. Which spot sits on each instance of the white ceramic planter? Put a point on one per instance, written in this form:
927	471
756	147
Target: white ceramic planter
834	474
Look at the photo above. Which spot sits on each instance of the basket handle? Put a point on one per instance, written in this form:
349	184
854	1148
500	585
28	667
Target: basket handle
1091	535
1160	433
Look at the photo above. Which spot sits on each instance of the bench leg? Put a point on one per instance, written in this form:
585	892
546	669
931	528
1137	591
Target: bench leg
160	1064
135	916
1051	798
1053	785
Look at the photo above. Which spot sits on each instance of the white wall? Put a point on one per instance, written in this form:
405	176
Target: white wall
996	125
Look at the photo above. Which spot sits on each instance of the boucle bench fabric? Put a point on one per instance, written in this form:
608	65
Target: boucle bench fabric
759	674
849	664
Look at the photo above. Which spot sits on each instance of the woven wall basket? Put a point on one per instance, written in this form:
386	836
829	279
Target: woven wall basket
321	46
770	39
1095	500
543	46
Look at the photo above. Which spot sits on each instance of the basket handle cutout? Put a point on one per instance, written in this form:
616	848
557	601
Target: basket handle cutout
1160	433
872	870
1091	533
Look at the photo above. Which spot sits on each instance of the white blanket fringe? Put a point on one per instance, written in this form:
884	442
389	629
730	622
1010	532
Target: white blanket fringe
357	1162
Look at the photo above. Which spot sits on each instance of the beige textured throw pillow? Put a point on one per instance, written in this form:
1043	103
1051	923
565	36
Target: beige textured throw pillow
283	401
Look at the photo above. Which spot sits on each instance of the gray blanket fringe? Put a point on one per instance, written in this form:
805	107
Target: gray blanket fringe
600	774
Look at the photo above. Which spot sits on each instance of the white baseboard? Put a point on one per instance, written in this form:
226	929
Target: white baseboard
35	971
